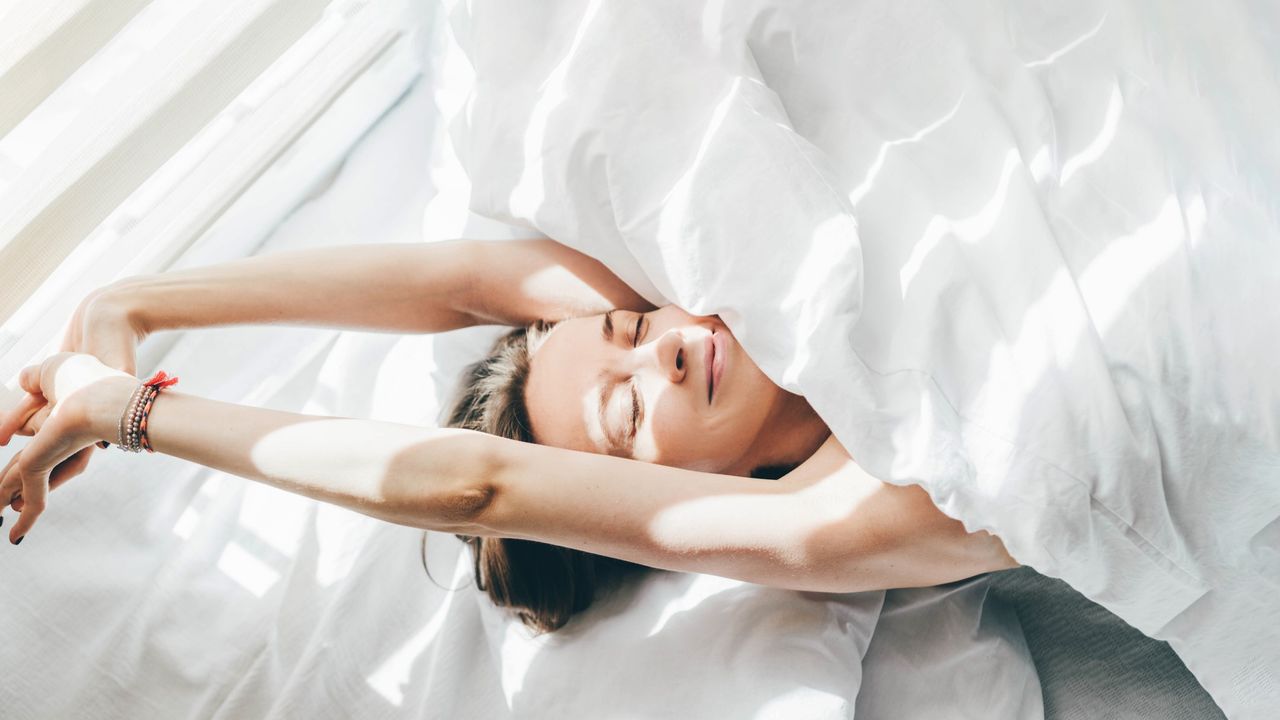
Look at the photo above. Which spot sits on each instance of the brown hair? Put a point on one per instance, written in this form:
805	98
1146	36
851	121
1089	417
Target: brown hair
544	584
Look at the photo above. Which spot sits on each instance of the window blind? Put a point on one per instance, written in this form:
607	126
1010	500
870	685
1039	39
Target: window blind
129	127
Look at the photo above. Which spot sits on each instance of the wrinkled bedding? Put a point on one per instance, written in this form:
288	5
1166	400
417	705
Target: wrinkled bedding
153	588
1022	255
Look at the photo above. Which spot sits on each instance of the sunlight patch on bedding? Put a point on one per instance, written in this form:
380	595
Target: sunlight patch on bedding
681	188
916	440
528	194
186	525
1040	165
1053	56
251	573
393	675
712	14
404	391
821	703
859	192
676	202
1052	329
339	536
1015	368
273	515
702	587
833	244
445	216
1115	274
519	649
968	229
1090	154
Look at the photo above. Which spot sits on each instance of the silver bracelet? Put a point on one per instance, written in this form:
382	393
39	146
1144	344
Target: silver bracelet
135	426
129	420
132	437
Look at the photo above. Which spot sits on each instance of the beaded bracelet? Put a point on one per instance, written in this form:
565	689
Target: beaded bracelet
133	423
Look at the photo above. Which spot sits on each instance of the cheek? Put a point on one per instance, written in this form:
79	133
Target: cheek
689	442
710	445
673	434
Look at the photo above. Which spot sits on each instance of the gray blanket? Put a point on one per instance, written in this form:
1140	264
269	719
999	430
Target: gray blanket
1091	663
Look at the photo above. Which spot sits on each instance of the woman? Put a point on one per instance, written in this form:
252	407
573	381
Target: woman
663	387
603	375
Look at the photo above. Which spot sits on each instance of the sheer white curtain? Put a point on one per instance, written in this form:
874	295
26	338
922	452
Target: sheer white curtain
134	133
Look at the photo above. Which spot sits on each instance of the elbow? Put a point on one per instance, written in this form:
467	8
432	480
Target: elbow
468	509
463	510
461	490
471	505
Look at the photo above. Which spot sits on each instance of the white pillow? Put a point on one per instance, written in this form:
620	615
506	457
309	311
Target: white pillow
669	160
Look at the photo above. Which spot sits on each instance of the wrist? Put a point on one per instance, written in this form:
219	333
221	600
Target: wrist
125	301
106	402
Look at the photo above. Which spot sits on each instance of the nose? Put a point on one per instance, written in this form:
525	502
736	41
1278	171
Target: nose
671	357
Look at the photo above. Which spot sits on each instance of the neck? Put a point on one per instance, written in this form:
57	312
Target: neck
794	433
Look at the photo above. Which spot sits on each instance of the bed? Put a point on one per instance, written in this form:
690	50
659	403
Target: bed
159	589
199	594
1021	256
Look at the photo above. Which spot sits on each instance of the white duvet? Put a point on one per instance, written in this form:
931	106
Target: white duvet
154	588
1023	254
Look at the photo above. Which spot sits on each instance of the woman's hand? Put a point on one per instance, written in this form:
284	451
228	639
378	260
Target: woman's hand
102	326
67	387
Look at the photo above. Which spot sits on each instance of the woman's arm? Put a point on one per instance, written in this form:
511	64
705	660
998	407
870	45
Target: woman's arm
423	477
541	279
827	527
392	287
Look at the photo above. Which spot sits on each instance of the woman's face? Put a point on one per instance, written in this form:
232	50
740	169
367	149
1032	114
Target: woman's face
664	387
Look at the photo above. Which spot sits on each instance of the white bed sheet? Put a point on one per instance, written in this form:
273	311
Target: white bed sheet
1022	255
156	588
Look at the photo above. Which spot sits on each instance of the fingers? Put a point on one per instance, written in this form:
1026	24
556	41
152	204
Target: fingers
47	450
13	420
9	482
17	417
69	468
34	489
29	379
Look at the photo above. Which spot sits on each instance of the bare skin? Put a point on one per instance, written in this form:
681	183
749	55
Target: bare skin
663	403
826	526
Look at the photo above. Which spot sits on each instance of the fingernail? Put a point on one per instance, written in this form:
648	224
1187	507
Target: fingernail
19	540
1	521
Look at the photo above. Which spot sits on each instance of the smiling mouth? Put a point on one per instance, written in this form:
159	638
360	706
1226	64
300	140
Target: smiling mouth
711	358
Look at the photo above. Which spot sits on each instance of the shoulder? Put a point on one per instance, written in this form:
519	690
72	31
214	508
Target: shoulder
874	534
829	459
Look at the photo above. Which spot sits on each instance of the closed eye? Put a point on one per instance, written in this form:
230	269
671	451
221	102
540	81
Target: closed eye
635	339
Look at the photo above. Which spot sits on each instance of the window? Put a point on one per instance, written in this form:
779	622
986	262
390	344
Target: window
131	131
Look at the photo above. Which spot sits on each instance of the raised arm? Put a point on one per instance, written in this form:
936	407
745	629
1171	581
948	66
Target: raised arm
826	527
391	287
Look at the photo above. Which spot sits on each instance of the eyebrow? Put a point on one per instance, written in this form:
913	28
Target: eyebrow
606	330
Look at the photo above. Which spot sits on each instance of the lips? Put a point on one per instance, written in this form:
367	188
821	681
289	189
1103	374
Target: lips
710	357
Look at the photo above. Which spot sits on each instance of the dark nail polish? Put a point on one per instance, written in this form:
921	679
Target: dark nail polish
19	540
1	521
